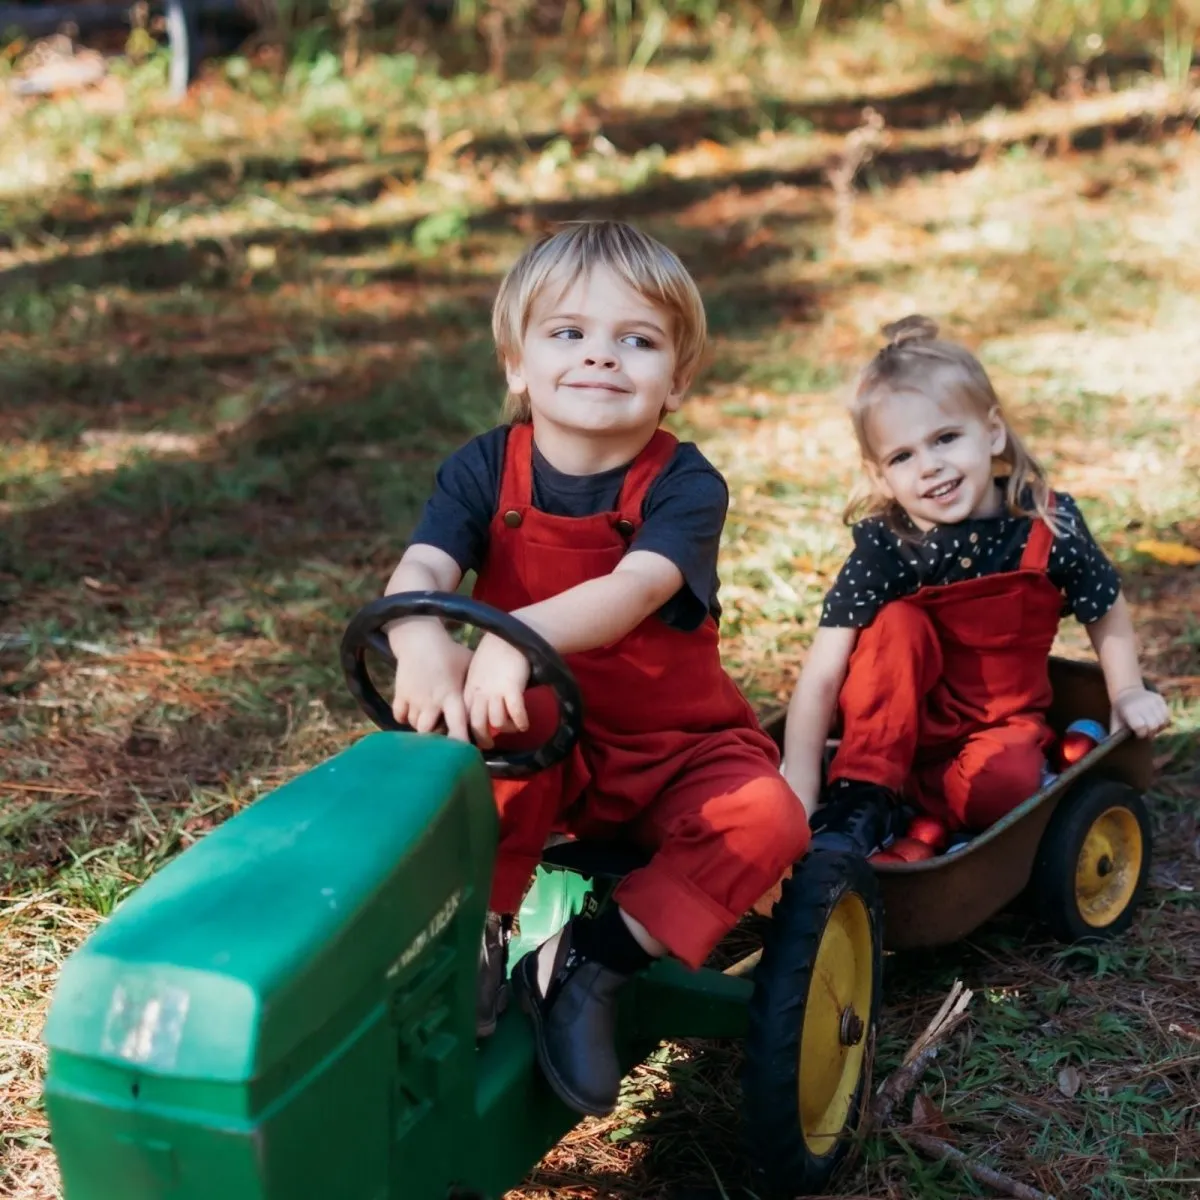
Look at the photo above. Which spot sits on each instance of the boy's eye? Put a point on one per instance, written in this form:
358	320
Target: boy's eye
897	459
567	334
638	340
944	439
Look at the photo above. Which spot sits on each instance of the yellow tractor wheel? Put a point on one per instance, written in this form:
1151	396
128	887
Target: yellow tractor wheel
812	1023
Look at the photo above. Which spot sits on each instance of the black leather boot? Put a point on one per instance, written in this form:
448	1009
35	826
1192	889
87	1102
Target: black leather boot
855	818
492	991
574	1023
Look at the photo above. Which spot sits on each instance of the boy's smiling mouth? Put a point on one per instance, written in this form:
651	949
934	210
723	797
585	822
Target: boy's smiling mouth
597	386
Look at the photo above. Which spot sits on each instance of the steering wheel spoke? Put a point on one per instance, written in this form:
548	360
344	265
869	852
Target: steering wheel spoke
546	667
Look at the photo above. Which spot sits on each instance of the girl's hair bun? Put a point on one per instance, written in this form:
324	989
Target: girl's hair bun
914	328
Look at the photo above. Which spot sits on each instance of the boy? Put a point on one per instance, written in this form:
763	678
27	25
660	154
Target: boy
600	531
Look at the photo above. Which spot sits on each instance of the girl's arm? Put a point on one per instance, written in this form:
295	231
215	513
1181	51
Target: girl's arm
589	615
811	711
1133	705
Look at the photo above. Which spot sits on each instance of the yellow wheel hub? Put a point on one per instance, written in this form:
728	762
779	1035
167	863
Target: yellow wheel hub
833	1041
1110	861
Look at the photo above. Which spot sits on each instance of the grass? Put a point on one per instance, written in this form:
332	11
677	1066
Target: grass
236	336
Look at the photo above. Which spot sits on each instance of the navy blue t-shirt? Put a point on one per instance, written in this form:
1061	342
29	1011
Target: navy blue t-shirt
682	516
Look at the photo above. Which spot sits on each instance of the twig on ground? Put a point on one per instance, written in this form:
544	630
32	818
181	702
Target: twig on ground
907	1075
920	1054
1004	1184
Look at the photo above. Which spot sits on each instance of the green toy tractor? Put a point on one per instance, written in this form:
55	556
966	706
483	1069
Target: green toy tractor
286	1011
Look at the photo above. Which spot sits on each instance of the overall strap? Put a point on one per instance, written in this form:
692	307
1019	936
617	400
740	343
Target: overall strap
516	475
1041	540
643	471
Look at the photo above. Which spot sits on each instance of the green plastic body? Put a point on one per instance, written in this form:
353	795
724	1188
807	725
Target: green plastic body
286	1011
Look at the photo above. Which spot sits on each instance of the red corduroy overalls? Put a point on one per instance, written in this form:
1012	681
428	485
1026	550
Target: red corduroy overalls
947	690
672	755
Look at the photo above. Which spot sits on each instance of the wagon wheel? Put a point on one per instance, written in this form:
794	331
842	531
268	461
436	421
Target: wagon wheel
1092	862
812	1023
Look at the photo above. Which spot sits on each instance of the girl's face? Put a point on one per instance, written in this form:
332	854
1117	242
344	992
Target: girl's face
934	458
597	360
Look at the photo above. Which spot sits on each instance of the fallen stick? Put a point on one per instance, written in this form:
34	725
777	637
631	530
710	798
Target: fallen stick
907	1075
920	1054
943	1151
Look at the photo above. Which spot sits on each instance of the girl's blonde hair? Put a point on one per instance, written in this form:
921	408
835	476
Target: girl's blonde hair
578	248
917	362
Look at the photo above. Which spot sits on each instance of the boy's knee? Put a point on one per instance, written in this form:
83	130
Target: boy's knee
780	821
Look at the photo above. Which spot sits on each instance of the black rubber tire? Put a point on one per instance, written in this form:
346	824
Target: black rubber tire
780	1157
1052	886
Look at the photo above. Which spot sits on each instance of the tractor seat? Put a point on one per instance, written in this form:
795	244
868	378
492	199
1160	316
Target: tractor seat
596	858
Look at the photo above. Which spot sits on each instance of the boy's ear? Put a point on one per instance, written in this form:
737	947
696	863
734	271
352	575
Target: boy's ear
515	378
675	396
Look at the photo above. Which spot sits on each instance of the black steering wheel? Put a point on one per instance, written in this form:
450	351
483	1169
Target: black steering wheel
546	666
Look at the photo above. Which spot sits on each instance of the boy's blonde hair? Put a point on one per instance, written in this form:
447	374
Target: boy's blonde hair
578	248
916	361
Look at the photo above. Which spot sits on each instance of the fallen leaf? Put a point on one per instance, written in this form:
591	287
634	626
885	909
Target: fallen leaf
1069	1081
1174	554
930	1118
1187	1031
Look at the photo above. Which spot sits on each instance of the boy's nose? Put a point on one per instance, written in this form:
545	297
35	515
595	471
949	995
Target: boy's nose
600	358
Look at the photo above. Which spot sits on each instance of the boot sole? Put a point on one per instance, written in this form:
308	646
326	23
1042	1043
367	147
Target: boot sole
524	985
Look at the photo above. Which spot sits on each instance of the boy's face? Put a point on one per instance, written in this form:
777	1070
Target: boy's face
597	360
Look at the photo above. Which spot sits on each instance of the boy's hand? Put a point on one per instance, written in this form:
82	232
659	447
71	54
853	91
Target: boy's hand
1142	711
431	671
495	690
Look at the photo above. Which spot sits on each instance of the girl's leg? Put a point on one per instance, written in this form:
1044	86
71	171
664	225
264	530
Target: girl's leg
996	770
896	662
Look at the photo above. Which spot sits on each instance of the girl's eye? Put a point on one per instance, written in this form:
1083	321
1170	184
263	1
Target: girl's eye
568	334
944	439
897	459
637	340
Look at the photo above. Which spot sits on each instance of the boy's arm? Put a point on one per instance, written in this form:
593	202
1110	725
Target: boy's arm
591	614
1133	705
604	610
431	667
811	711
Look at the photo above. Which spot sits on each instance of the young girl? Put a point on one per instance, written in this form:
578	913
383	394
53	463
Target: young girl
935	638
600	531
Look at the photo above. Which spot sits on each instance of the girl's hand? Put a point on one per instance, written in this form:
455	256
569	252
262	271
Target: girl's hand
1142	711
431	671
495	690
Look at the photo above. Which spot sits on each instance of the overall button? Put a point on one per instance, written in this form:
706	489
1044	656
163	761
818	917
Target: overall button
512	518
624	527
